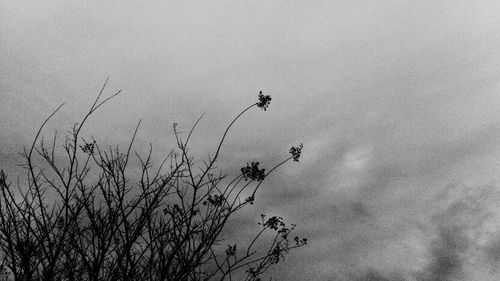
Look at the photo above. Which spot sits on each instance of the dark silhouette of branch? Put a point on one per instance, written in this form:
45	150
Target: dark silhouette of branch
82	215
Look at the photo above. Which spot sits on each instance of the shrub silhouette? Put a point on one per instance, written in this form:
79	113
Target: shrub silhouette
86	217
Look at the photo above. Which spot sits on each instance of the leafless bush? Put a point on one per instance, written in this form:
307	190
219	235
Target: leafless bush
85	216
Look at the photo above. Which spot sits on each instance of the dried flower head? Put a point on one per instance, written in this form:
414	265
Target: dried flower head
296	151
264	101
216	200
275	222
231	250
88	148
253	172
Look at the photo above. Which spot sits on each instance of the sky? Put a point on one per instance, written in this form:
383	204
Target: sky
397	104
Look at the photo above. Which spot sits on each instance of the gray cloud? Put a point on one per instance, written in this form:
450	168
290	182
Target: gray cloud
376	276
446	257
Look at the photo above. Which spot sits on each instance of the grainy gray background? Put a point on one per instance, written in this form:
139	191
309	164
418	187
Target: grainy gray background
397	103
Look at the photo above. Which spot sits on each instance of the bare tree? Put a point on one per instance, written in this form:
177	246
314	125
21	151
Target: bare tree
83	215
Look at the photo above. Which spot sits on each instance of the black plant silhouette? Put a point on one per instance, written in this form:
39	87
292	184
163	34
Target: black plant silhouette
264	101
84	215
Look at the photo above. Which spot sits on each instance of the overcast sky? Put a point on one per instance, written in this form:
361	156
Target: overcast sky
397	104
